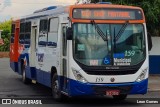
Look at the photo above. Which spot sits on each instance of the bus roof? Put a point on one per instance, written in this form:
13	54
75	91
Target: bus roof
103	6
39	13
68	9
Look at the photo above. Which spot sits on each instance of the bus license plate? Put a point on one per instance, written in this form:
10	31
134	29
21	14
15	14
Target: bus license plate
112	92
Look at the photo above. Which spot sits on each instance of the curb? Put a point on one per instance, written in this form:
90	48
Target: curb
153	90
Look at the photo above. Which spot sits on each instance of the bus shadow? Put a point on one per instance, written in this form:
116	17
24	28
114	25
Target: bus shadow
34	90
42	92
99	101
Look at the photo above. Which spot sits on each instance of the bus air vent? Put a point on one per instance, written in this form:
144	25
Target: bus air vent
104	3
45	9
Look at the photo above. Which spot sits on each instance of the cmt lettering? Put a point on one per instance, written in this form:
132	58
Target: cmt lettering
86	13
118	14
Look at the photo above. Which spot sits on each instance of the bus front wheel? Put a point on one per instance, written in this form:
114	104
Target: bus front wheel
57	95
120	97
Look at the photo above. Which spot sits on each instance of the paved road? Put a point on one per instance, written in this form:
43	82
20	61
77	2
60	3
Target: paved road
11	86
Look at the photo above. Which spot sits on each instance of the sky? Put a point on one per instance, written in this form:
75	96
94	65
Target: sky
17	8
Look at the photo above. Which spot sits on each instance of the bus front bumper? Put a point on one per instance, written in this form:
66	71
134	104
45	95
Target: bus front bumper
77	88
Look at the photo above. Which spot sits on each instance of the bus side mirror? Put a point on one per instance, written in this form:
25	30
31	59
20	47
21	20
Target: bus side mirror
69	33
149	42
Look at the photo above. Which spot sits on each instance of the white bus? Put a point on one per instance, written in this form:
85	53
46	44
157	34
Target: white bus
82	50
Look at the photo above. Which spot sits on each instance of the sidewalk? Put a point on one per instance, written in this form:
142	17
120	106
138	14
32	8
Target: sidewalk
154	83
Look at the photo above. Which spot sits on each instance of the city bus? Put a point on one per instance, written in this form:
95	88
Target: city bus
83	50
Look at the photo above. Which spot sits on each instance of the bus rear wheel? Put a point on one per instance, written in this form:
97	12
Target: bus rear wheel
120	97
24	78
55	88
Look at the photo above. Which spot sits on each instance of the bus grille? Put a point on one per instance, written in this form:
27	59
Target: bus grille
106	70
110	72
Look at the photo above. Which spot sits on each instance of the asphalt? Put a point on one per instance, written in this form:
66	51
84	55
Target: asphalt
154	82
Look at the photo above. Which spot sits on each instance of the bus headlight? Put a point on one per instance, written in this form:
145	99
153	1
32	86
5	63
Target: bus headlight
142	75
78	76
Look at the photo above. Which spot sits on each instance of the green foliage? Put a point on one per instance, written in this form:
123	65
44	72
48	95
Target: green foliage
5	47
6	27
151	9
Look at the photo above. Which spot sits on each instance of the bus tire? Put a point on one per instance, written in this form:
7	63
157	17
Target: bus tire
24	78
57	95
120	97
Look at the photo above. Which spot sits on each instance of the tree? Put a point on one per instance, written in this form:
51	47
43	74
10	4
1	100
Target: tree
151	9
6	27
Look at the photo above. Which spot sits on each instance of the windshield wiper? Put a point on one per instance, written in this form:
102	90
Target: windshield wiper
114	40
121	30
99	31
116	37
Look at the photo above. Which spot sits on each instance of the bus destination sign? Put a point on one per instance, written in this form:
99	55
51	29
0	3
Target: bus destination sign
110	14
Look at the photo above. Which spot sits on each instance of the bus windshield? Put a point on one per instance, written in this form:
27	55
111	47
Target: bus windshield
125	49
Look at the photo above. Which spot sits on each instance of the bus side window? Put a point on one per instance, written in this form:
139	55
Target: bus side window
12	33
42	40
21	38
27	33
22	33
53	33
43	25
12	38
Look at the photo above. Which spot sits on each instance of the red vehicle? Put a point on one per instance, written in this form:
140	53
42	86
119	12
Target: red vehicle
14	45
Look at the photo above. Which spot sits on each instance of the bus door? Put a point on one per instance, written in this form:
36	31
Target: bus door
51	54
32	53
41	42
64	56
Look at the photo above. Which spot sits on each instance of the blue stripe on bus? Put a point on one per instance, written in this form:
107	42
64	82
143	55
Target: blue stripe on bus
76	88
31	72
43	77
38	75
79	89
14	66
28	72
